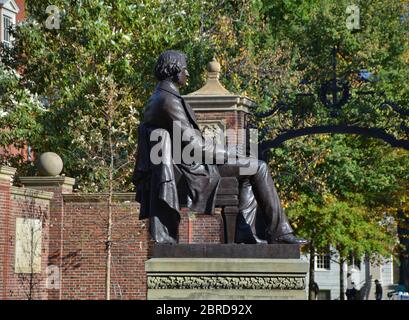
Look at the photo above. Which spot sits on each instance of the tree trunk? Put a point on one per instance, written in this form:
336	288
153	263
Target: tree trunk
311	292
341	279
403	234
108	248
109	226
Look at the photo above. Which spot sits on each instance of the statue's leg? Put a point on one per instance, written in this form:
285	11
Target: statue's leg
278	228
246	220
265	193
269	202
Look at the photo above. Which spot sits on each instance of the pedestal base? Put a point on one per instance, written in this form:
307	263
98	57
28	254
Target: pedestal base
221	294
226	278
211	250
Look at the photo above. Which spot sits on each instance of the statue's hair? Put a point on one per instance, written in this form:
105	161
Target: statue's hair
169	64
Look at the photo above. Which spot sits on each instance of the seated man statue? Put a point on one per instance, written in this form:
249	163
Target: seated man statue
167	112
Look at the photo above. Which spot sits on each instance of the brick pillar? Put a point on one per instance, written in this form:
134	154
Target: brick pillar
220	111
6	178
21	13
59	185
222	117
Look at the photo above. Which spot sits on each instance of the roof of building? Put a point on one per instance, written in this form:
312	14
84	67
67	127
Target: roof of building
13	6
3	2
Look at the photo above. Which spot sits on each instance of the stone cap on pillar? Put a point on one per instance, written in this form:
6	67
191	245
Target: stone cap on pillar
214	97
58	181
212	85
7	174
49	166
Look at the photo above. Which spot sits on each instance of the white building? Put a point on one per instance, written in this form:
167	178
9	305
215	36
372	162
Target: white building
9	11
362	273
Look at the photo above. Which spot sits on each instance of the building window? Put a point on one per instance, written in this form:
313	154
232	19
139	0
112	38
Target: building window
7	23
323	261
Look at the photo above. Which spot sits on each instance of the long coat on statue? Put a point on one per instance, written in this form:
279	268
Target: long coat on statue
157	189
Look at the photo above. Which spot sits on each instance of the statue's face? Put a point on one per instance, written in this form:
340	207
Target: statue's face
183	75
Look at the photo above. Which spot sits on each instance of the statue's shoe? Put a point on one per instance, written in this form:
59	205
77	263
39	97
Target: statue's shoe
166	239
290	239
253	239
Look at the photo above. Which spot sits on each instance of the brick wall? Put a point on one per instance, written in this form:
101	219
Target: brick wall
22	203
57	186
84	255
73	252
201	228
28	286
4	236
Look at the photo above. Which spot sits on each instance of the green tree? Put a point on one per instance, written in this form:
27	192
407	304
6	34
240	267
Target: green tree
99	43
95	74
19	125
340	192
313	167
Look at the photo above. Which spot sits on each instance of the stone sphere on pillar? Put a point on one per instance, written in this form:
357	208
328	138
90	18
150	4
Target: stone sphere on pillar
49	164
214	66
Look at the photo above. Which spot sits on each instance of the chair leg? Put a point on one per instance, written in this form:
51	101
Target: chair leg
229	215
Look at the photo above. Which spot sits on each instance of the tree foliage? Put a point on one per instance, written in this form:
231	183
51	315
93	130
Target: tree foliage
272	51
103	50
19	113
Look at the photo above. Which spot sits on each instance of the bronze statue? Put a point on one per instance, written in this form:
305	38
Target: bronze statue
156	182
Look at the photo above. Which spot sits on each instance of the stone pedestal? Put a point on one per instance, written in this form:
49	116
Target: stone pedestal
255	272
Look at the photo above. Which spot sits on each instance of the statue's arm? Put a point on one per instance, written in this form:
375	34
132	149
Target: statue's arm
177	119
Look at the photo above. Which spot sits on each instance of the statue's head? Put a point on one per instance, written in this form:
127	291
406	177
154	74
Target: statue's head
172	66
